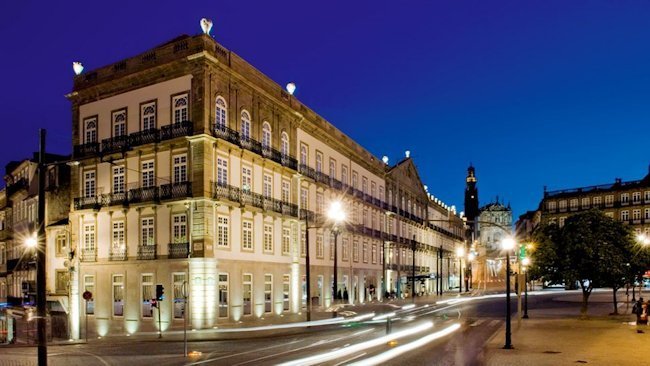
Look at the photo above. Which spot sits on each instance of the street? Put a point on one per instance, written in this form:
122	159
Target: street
468	323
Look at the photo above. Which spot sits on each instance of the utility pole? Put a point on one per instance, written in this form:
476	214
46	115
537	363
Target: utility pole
40	257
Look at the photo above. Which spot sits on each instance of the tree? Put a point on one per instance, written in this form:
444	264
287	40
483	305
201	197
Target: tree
591	250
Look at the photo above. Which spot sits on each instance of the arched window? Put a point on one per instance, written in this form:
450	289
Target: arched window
245	125
180	107
220	114
266	135
91	130
284	148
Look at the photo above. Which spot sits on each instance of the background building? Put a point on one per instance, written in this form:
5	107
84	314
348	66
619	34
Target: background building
628	202
494	224
18	219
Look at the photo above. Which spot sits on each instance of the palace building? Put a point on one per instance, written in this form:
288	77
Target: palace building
199	173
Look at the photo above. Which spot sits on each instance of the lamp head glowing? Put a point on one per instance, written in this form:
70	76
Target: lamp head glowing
525	261
31	242
77	67
471	256
407	153
335	212
460	251
206	25
291	88
508	243
385	159
643	239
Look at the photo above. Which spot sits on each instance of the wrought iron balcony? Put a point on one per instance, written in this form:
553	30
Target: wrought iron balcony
179	250
222	191
112	199
250	144
176	190
115	144
81	203
144	194
144	137
307	171
117	254
226	133
147	251
87	149
89	255
178	129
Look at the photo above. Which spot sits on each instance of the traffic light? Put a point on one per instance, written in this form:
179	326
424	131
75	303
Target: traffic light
160	292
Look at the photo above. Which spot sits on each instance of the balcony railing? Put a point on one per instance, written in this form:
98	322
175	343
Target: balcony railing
115	144
226	133
125	142
89	255
143	194
222	191
176	190
147	252
87	149
179	250
118	254
112	199
16	186
81	203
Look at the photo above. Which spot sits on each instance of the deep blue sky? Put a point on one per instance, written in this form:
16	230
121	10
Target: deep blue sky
533	93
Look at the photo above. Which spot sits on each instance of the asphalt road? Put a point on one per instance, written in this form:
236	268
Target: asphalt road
476	320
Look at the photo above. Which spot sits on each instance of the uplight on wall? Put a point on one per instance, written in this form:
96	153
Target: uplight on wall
77	67
206	25
291	88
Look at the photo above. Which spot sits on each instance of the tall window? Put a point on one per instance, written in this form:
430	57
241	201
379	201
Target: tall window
89	183
179	228
268	293
304	199
596	201
355	251
178	280
148	233
625	198
247	235
646	213
286	191
223	295
609	201
245	125
118	179
268	238
246	178
636	197
303	242
119	123
320	203
89	237
364	185
284	147
365	251
332	244
148	174
89	285
373	189
286	241
247	293
268	185
147	295
220	115
319	162
344	174
180	105
646	196
286	286
222	231
148	115
90	132
355	179
266	135
320	246
118	295
61	247
119	243
303	154
180	168
636	214
344	247
585	202
374	253
625	215
222	171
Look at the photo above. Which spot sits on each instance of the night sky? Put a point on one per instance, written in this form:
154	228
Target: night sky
533	93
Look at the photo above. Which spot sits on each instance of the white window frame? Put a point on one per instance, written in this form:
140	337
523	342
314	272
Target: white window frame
246	128
223	232
119	123
147	231
221	113
284	147
222	170
90	183
247	286
268	238
148	116
180	108
247	235
266	136
286	241
119	179
180	168
179	228
148	173
90	130
118	281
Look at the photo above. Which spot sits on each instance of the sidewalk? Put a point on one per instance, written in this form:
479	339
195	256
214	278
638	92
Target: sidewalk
558	337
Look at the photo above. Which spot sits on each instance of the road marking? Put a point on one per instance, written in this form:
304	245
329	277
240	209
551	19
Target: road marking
241	353
477	323
350	359
97	357
494	323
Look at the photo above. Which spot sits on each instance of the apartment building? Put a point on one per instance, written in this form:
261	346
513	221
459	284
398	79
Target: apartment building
199	173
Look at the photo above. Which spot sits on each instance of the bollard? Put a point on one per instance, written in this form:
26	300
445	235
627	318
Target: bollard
389	325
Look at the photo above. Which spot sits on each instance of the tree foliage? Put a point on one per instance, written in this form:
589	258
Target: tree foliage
591	250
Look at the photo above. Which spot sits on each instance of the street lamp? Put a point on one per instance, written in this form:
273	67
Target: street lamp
460	252
31	242
526	263
468	281
336	214
508	244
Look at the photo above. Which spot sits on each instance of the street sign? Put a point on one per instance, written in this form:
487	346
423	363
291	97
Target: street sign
87	295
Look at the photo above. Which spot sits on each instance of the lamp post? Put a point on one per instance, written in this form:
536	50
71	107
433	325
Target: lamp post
507	244
470	258
413	244
526	263
40	256
460	252
337	215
